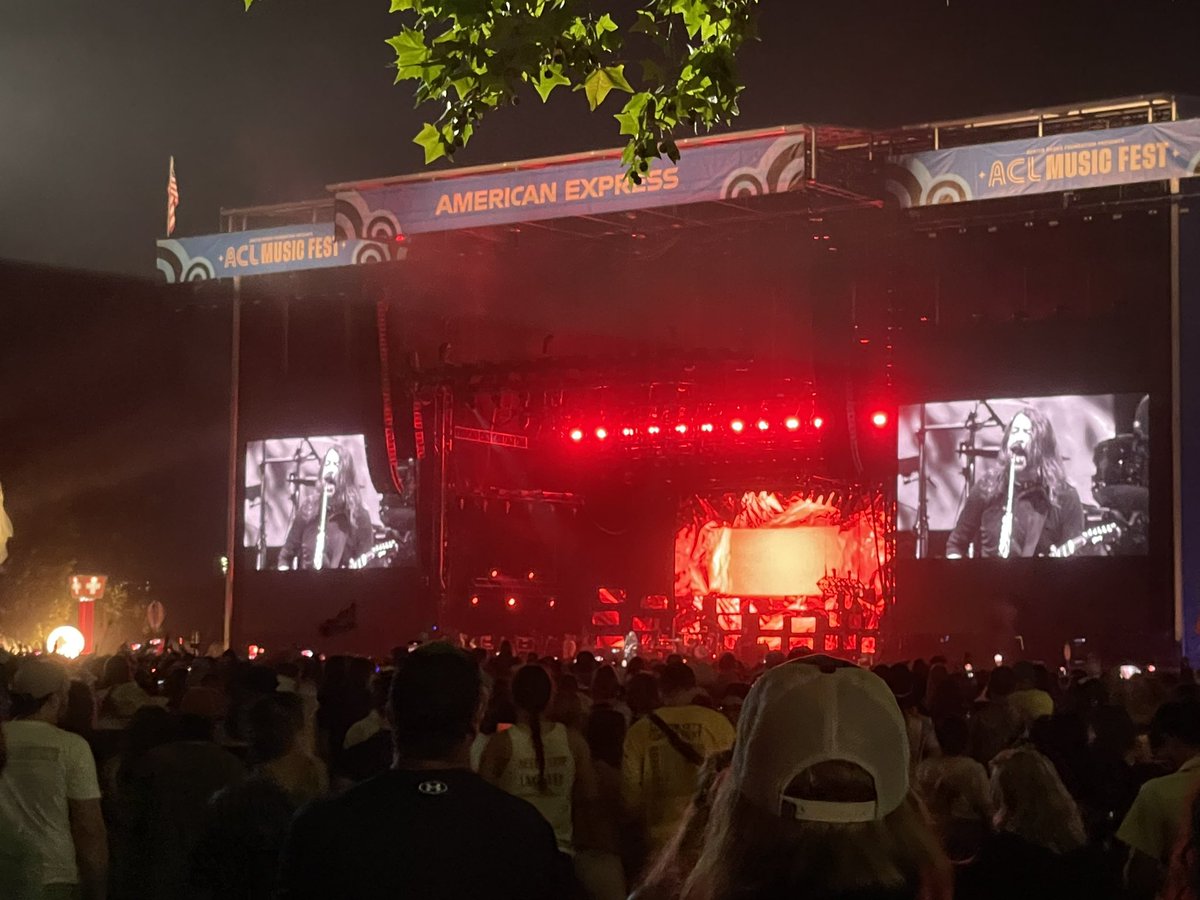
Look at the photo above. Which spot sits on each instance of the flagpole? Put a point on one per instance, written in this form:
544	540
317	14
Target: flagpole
231	511
170	178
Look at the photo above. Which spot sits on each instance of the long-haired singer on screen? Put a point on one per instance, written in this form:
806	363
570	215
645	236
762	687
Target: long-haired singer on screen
1024	506
331	528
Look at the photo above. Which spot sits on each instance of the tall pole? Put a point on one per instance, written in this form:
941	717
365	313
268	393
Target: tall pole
231	511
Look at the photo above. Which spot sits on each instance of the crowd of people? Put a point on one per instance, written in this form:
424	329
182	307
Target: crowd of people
445	773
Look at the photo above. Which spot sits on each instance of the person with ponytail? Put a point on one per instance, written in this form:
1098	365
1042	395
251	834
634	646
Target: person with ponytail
541	761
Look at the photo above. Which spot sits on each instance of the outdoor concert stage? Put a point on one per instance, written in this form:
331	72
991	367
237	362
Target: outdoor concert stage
756	414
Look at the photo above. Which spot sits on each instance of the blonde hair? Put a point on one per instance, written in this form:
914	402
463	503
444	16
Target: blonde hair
1032	802
751	852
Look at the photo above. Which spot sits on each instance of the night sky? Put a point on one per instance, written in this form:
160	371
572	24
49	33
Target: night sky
112	406
273	105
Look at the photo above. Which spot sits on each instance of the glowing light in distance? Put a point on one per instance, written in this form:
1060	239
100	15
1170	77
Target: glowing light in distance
511	601
474	601
627	431
530	575
653	429
65	640
818	422
791	423
601	433
879	419
707	427
552	603
681	428
737	426
998	659
493	573
762	424
576	434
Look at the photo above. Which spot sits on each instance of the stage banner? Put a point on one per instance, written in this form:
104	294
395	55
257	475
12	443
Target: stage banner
1063	162
721	170
266	251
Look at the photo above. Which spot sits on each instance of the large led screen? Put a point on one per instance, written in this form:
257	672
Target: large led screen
310	504
1056	477
777	543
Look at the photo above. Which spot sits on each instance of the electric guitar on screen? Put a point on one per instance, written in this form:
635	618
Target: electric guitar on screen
1088	538
379	551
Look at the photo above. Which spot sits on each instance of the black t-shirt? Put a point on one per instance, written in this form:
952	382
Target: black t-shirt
982	514
423	834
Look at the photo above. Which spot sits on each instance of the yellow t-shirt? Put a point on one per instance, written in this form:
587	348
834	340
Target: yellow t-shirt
1031	705
657	782
1153	822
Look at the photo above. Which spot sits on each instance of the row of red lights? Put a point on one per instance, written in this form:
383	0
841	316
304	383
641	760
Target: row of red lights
511	601
736	426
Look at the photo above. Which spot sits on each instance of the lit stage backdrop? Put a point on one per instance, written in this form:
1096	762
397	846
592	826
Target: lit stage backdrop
310	504
784	569
1079	468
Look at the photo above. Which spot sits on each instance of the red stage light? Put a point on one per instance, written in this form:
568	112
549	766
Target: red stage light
818	422
762	424
474	601
511	601
653	429
707	427
576	434
627	431
681	428
791	423
531	575
601	433
879	419
737	426
493	573
552	603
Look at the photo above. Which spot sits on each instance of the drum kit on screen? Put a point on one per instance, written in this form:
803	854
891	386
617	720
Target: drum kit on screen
1121	485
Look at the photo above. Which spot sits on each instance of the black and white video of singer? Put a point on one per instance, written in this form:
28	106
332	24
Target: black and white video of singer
313	499
1024	506
1068	476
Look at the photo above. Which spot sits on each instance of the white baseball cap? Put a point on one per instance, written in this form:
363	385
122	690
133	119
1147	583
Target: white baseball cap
815	710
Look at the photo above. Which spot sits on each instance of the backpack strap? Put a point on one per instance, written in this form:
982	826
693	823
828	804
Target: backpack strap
686	750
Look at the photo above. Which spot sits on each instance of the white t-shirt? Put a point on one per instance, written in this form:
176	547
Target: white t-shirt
520	777
46	767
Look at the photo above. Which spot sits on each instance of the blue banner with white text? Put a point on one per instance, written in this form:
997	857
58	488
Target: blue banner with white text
720	170
264	251
1063	162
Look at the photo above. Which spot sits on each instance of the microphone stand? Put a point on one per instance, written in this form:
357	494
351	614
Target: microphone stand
1006	523
319	548
261	549
922	494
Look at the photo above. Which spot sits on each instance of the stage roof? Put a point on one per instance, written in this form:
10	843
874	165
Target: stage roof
721	180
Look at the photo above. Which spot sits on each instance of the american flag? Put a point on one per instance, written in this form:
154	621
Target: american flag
172	198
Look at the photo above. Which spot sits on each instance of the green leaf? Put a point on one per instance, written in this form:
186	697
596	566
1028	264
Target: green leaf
630	117
646	22
616	75
652	72
605	23
248	2
464	86
548	79
601	81
430	138
410	48
401	5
